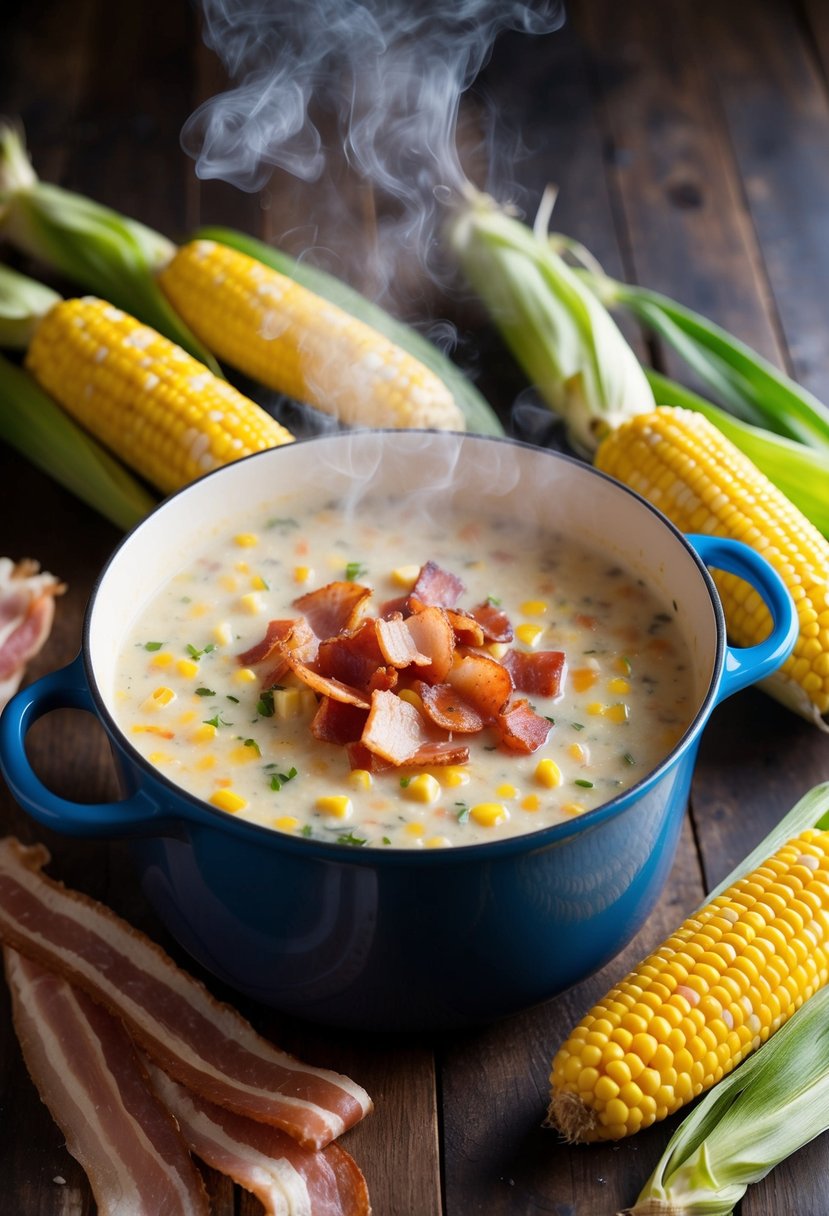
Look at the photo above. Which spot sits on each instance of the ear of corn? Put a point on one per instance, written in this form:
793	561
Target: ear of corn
107	253
683	465
277	332
708	996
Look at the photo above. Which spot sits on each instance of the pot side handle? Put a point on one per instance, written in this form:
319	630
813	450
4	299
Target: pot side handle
64	689
746	665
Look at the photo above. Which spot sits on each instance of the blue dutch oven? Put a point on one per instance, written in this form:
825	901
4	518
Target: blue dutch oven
384	938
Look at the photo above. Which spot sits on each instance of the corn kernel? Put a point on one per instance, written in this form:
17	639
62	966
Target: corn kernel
204	733
286	704
438	842
529	635
159	698
618	713
162	659
578	752
596	708
187	717
258	583
206	762
507	791
223	633
199	609
573	808
422	788
159	757
405	577
245	676
618	685
228	583
623	665
414	829
337	805
286	823
454	774
187	668
409	694
583	678
226	800
246	540
336	561
497	649
548	774
241	567
489	814
303	574
360	778
251	602
534	607
532	802
244	753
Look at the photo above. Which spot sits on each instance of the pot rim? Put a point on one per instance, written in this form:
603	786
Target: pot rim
194	809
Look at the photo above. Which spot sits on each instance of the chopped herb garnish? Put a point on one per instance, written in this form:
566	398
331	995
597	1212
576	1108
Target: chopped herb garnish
462	813
628	759
153	645
279	779
264	706
307	830
254	746
494	600
355	570
350	838
230	697
577	725
195	653
212	721
404	781
552	721
587	785
386	840
282	522
205	692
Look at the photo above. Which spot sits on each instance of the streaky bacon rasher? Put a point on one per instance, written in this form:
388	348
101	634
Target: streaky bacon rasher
206	1045
88	1074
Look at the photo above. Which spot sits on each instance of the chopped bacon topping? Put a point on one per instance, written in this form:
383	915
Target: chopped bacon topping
205	1045
27	610
88	1074
539	673
361	666
436	588
522	729
333	608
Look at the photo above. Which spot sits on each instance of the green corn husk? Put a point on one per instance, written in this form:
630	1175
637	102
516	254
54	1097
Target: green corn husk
23	301
800	472
770	1106
560	333
742	379
480	418
114	257
33	424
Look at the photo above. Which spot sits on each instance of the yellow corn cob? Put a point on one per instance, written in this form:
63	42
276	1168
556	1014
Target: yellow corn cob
703	1000
150	402
279	333
683	465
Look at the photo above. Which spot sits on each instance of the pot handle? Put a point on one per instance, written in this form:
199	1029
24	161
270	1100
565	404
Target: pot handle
746	665
64	689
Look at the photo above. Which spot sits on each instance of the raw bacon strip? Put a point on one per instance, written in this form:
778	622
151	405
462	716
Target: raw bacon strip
288	1180
204	1044
538	674
88	1074
435	587
443	706
397	644
333	608
482	682
338	722
495	623
27	610
522	729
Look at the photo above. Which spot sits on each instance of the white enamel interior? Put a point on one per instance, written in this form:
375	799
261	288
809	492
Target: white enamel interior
426	472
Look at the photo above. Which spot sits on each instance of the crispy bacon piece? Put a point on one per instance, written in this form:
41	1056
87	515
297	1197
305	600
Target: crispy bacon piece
433	635
394	729
27	610
360	757
351	657
440	751
277	631
443	706
326	686
466	629
482	682
288	1180
282	639
333	608
495	623
436	588
539	673
397	643
89	1076
338	722
206	1045
522	729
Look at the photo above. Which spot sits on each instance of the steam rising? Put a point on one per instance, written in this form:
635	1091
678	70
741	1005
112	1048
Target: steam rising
370	85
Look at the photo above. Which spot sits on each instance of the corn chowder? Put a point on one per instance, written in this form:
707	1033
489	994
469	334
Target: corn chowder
374	683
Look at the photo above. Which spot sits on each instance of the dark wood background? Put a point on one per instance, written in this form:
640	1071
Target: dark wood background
690	144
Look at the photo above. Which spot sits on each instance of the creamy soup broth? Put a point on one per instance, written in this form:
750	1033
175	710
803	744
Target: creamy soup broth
204	719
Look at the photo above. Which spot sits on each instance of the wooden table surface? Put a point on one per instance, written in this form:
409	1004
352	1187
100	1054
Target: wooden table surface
690	145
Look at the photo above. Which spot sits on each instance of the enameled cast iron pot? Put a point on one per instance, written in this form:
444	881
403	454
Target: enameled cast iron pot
387	938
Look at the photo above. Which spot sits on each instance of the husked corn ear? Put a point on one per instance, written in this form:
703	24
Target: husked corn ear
682	464
709	995
151	403
284	336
